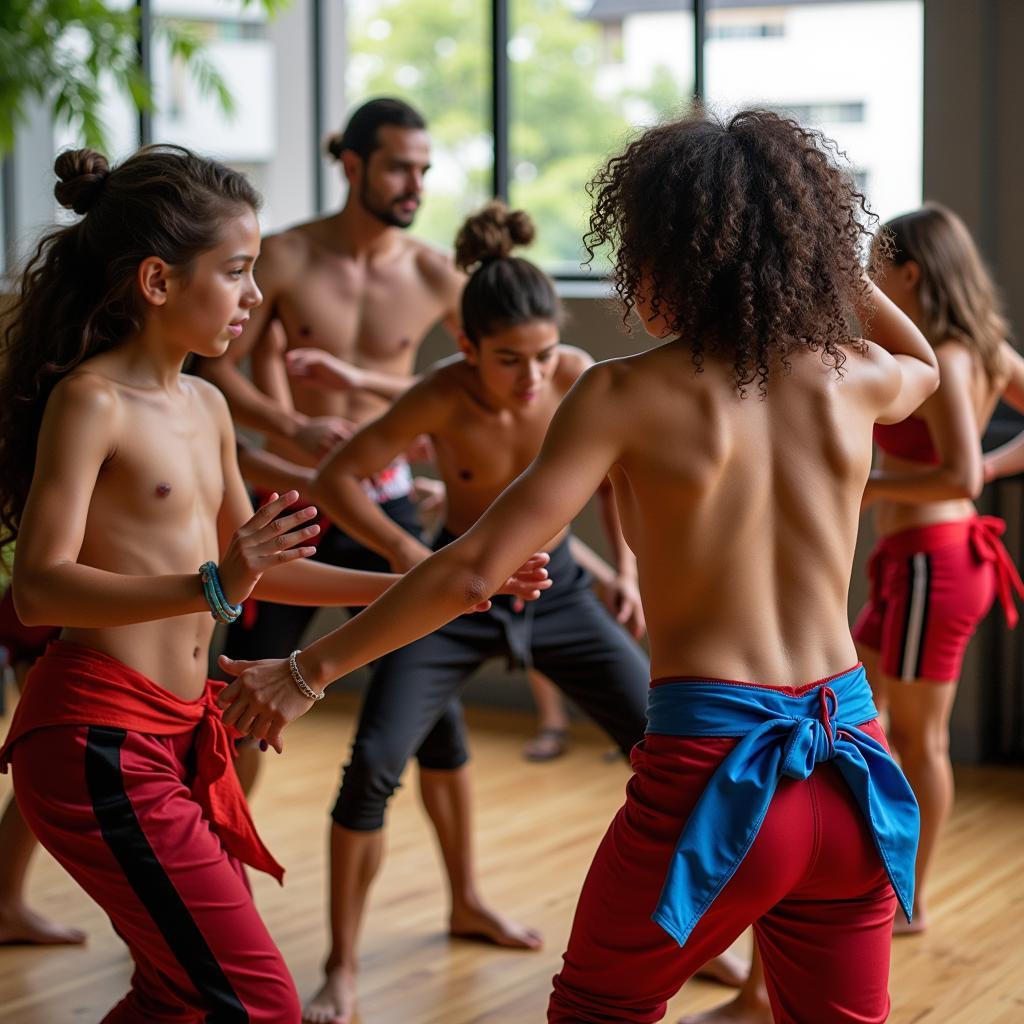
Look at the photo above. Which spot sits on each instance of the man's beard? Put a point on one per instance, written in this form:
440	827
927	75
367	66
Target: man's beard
385	213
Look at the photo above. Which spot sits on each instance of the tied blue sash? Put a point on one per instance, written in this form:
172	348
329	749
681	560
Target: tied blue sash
781	735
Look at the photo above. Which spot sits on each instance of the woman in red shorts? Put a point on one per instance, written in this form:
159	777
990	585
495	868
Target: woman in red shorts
938	566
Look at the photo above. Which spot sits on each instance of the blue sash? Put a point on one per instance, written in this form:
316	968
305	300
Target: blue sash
781	735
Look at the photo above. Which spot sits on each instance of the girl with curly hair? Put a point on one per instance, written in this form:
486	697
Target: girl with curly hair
119	478
738	448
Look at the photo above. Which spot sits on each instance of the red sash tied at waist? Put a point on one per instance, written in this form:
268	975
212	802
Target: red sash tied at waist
986	532
75	685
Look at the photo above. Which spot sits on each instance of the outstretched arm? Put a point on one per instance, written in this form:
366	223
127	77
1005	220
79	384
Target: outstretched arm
585	439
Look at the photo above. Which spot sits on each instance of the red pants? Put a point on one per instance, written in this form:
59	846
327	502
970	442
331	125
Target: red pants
812	885
114	808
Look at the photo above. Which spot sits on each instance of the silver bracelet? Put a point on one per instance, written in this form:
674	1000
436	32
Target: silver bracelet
304	688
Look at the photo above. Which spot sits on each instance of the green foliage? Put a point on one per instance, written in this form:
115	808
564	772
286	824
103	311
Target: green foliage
567	115
61	51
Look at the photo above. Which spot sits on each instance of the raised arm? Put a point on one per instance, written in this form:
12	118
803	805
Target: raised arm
885	324
954	431
338	487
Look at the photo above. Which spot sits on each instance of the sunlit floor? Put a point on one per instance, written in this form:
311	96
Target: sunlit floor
537	828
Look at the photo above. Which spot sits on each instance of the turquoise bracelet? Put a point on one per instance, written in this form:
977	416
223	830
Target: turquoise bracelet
220	608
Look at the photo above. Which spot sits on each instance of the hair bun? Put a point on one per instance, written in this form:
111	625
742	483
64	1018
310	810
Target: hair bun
334	145
491	234
82	173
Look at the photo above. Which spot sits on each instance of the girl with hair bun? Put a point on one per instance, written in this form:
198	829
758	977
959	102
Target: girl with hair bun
486	412
119	479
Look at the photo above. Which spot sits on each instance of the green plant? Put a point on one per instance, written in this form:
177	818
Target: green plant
59	51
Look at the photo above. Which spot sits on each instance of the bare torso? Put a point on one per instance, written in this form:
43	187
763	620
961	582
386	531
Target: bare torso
154	511
481	449
743	513
371	312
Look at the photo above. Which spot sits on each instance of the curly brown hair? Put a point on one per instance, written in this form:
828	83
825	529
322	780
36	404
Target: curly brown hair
77	294
744	235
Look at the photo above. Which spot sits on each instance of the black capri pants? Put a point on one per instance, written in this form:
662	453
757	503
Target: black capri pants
411	704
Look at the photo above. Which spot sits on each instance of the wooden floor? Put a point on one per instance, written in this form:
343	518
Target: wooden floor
537	826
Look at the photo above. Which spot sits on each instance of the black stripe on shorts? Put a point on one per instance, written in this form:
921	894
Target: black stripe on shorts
145	874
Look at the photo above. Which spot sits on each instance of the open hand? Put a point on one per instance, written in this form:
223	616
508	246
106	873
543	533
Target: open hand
262	699
268	539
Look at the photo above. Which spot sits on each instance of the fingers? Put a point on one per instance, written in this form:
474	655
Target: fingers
267	513
234	668
282	524
273	547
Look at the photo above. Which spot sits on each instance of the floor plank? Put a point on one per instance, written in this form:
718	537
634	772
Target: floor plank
537	828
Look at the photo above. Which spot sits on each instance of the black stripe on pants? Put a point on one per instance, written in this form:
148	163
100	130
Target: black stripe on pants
128	843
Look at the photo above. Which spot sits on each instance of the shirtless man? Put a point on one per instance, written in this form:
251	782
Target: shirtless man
739	246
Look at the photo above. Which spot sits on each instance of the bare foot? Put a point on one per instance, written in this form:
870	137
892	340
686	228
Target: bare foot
335	1002
485	925
726	969
900	926
746	1008
19	925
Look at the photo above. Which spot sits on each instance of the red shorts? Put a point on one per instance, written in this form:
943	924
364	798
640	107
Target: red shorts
930	587
813	885
114	807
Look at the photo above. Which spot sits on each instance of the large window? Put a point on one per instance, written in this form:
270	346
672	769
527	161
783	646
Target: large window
436	55
523	97
582	76
854	70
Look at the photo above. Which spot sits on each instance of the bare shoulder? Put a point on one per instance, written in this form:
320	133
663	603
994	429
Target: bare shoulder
436	267
446	381
87	393
208	394
954	357
286	254
572	362
871	369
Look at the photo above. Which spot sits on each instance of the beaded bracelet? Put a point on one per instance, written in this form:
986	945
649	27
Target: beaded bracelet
220	608
304	688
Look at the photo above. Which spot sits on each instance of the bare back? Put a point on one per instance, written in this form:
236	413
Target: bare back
743	514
